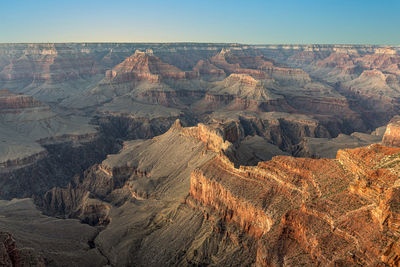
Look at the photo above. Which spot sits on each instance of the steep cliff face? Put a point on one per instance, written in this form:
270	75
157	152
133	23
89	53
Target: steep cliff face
368	76
203	78
129	127
10	101
11	256
40	149
185	184
328	147
279	128
124	176
392	134
300	209
286	211
151	178
60	162
212	137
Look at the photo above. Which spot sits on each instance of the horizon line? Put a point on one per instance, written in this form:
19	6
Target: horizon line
195	42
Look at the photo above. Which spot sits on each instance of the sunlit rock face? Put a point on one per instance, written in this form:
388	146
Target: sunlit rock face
304	207
309	208
392	134
199	154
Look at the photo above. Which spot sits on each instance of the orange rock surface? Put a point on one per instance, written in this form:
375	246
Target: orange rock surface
329	212
392	134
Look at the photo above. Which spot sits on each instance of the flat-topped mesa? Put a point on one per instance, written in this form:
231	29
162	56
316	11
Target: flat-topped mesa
9	100
286	74
351	200
392	133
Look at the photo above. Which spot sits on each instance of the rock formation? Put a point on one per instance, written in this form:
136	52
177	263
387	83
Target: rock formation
35	140
11	256
289	210
328	147
301	210
39	240
392	133
188	154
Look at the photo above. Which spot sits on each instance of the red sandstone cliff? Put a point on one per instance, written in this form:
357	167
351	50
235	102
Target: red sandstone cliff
307	211
392	134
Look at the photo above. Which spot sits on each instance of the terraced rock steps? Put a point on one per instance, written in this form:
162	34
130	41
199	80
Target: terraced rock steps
347	205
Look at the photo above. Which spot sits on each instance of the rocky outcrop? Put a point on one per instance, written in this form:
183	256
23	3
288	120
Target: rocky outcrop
257	66
209	71
300	209
18	162
11	256
77	203
392	133
212	137
127	127
328	147
144	66
10	101
286	211
119	178
281	129
233	209
368	76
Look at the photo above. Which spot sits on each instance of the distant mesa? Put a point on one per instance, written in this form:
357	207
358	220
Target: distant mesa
10	100
294	160
385	50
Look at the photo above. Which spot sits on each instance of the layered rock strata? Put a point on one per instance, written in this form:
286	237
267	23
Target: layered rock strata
392	134
11	256
301	210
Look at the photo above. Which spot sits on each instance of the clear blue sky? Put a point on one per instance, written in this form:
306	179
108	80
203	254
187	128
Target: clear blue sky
251	21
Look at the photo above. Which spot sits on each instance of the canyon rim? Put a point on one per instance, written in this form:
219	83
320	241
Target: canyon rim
203	145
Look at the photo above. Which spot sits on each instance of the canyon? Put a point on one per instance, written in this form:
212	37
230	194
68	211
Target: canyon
196	154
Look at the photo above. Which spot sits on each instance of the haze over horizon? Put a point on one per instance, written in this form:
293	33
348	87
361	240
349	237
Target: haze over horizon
249	22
